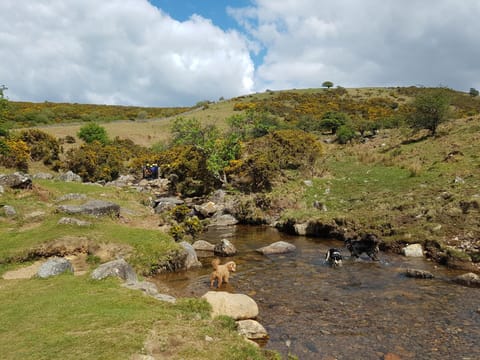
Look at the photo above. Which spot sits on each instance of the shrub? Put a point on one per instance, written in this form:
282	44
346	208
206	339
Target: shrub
345	134
430	109
43	147
93	132
14	153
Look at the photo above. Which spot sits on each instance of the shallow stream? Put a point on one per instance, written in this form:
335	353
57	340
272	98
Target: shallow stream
363	310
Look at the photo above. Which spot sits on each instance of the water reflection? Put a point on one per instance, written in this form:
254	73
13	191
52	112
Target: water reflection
362	310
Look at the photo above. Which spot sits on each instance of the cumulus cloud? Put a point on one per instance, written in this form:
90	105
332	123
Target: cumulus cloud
365	43
117	52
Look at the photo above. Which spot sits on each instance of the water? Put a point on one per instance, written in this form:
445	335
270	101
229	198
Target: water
363	310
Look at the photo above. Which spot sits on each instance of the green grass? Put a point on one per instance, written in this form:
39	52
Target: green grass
78	318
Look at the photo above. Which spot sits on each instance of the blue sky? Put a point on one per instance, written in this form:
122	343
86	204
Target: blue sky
131	53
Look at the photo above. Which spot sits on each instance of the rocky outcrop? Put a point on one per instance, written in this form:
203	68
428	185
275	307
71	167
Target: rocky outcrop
279	247
93	207
54	266
117	268
237	306
224	248
16	180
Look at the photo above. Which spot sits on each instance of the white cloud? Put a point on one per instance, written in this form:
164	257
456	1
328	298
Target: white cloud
117	52
365	43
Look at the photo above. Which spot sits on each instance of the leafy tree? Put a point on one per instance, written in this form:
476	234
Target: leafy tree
473	92
187	131
430	109
332	120
327	84
93	132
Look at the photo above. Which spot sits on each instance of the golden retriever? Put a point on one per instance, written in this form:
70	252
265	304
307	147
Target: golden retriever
221	272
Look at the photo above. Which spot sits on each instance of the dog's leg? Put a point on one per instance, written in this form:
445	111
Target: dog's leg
219	283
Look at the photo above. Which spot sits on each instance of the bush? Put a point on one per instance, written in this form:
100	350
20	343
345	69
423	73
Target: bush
430	109
93	132
345	134
43	147
14	153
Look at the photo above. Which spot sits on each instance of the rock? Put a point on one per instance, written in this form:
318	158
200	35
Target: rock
469	279
301	229
119	268
201	245
122	181
413	250
9	211
251	329
223	220
308	183
72	196
70	176
206	210
149	289
224	248
93	207
16	181
54	266
43	176
279	247
237	306
35	216
72	221
166	203
191	259
419	274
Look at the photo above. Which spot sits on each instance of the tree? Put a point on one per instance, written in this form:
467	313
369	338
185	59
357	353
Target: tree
430	109
327	84
332	120
473	92
93	132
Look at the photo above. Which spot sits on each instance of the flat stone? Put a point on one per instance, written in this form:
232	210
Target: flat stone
279	247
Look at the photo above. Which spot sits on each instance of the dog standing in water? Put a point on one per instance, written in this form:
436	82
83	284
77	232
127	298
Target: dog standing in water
221	273
333	257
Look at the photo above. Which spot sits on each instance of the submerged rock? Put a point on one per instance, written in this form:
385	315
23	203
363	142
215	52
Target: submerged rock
469	279
279	247
419	274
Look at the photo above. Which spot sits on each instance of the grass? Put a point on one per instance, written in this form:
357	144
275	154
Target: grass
85	319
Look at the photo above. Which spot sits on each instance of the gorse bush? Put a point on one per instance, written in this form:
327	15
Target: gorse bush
43	146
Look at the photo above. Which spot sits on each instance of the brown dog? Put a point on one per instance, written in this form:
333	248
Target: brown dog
221	272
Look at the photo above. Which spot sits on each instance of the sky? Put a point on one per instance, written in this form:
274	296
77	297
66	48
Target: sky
177	53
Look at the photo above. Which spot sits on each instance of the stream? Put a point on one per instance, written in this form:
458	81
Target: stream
362	310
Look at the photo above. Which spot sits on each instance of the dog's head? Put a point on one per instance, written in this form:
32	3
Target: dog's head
231	266
333	257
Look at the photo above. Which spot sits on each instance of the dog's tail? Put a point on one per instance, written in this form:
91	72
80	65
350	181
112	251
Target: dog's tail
215	263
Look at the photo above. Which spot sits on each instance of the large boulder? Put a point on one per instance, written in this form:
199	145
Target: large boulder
251	329
92	207
16	181
413	250
191	259
224	248
118	268
237	306
279	247
54	266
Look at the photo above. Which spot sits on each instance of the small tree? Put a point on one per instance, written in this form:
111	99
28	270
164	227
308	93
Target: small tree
473	92
327	84
430	109
332	120
93	132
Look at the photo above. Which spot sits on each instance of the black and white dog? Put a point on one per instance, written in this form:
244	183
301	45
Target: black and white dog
365	243
333	257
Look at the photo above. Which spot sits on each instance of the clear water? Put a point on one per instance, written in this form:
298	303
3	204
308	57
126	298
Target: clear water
363	310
